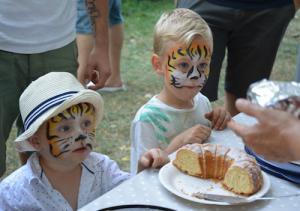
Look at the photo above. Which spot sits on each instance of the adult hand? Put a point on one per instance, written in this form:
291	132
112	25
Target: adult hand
96	71
98	66
275	136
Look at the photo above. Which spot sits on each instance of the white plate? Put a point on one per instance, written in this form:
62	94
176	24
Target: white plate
184	185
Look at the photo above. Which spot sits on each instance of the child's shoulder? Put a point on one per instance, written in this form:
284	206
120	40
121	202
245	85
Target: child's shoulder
153	109
24	175
17	180
202	103
152	106
201	98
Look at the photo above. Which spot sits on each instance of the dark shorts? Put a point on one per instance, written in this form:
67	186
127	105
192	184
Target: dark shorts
251	38
83	24
16	73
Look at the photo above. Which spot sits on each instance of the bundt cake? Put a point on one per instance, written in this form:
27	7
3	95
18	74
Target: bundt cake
237	170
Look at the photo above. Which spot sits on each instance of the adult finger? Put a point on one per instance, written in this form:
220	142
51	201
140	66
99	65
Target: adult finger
94	78
103	75
239	129
100	82
83	77
249	108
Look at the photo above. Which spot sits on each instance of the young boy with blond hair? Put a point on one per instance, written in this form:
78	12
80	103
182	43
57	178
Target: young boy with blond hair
179	114
60	118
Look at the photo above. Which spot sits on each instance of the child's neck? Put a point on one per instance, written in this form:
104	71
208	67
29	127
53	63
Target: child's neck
173	101
66	181
57	167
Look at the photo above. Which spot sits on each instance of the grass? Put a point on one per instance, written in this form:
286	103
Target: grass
140	16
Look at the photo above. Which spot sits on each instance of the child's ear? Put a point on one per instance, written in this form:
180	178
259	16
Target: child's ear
156	64
35	142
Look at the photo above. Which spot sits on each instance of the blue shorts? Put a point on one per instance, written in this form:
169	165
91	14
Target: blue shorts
83	24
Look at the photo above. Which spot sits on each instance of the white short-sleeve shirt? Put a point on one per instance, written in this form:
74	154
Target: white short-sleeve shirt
156	124
36	26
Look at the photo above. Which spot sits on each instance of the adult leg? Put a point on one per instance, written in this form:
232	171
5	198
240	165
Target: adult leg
13	77
84	37
116	37
230	103
210	90
219	19
252	49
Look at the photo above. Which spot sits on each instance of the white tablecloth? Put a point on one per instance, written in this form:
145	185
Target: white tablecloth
145	187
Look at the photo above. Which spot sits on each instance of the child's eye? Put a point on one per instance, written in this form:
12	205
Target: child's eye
64	128
183	65
202	65
87	123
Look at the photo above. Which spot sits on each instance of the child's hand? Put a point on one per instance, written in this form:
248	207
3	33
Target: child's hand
196	134
219	118
154	158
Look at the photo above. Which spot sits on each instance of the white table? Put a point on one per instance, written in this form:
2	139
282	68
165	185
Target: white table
145	187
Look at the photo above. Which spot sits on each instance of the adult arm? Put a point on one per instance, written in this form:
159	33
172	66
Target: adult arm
275	136
98	67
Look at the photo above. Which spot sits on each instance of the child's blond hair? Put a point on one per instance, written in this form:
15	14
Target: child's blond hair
180	25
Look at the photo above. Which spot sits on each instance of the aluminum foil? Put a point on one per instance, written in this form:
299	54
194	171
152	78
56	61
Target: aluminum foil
276	94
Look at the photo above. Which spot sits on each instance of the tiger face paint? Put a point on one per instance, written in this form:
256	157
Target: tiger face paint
72	130
189	67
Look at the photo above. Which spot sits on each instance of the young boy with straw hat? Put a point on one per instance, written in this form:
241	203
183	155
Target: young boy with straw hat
60	117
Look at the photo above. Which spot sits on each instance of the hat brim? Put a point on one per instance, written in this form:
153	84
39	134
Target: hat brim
84	96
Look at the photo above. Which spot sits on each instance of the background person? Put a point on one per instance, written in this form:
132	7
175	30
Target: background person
250	32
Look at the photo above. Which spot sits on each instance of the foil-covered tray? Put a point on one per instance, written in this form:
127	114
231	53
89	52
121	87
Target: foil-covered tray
276	94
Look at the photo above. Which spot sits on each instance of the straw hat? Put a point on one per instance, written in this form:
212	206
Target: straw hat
48	96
